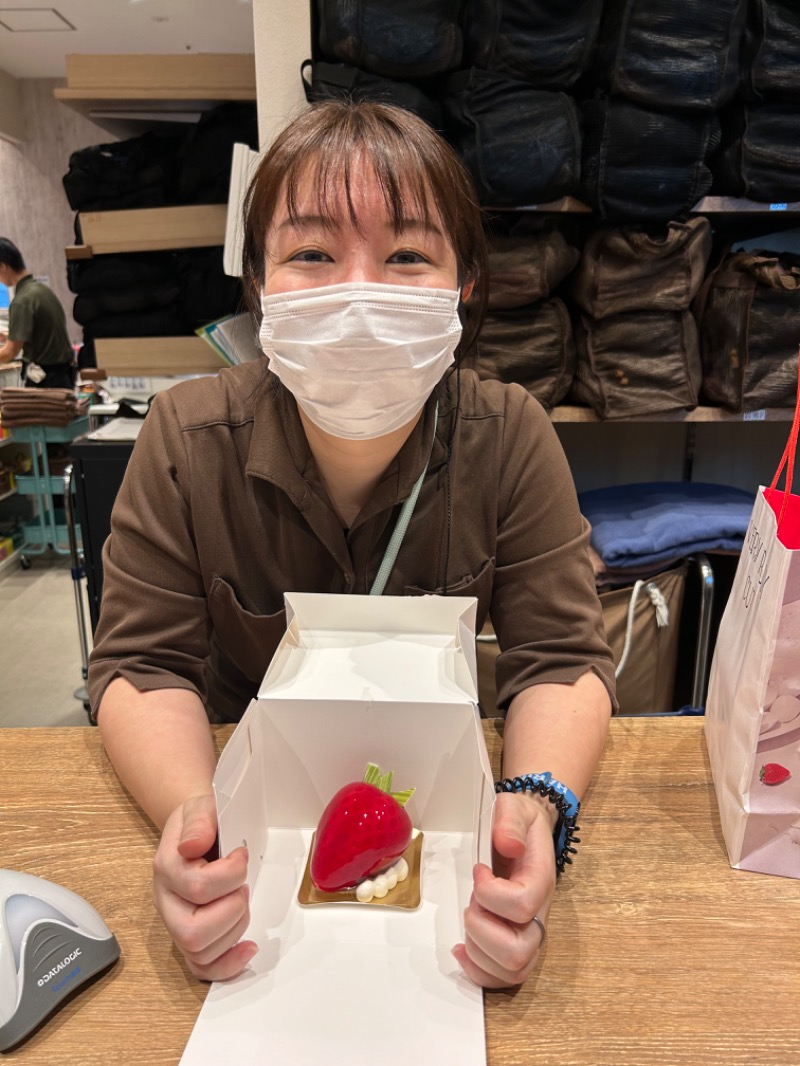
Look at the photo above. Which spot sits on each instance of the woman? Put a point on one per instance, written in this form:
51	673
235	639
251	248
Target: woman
364	254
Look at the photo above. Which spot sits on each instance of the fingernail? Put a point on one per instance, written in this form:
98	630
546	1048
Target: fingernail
246	892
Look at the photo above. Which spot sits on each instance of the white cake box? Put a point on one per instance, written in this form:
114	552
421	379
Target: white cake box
355	679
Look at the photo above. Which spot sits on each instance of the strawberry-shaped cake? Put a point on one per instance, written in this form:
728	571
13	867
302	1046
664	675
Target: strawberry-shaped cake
362	833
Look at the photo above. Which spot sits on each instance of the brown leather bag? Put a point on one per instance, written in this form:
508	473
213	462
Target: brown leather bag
748	312
639	363
525	267
532	346
628	268
646	681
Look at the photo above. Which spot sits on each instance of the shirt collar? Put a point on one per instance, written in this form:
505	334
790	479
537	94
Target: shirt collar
279	451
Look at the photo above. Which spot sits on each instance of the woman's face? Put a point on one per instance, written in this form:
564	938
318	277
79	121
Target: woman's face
309	253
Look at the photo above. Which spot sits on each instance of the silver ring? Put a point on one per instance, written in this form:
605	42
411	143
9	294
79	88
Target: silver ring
540	924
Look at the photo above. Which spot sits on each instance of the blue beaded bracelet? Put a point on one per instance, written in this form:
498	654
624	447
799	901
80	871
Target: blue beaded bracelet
566	802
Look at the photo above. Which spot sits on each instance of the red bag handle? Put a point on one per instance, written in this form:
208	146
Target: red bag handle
787	459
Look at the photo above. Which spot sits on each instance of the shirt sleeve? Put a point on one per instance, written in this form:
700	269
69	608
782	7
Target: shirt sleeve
545	607
20	321
154	625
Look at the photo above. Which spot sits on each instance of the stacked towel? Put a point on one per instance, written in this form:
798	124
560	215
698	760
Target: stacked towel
640	529
40	407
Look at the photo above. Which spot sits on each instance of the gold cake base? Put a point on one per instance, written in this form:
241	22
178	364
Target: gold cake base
406	894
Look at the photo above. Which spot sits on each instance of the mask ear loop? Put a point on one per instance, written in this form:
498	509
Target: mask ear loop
393	547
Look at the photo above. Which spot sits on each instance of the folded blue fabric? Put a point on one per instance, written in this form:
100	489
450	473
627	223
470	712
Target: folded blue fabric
647	523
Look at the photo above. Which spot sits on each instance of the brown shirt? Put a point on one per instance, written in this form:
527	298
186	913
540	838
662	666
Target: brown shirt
222	511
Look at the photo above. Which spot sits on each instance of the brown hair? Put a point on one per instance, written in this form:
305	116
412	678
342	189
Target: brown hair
412	164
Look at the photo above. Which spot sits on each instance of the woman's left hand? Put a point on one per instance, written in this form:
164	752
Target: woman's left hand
501	939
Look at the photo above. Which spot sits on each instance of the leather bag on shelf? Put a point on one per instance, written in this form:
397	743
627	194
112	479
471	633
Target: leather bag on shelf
526	266
748	311
543	42
752	721
521	145
628	268
531	346
667	55
640	363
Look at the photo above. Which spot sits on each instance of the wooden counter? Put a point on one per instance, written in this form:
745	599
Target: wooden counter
658	952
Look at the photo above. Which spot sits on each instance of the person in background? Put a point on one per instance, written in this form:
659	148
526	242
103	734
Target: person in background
37	326
364	262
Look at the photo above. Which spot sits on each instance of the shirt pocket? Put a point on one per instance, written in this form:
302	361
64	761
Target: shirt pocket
478	585
248	640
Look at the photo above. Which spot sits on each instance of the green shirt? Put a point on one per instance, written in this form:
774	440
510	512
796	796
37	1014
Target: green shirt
36	320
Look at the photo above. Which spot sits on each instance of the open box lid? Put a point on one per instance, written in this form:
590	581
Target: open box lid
359	679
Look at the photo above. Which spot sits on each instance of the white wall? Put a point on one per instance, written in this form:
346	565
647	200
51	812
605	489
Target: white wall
282	34
34	210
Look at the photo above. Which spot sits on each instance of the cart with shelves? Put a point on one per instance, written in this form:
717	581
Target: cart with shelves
10	530
47	529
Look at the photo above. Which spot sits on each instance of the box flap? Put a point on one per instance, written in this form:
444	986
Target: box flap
375	647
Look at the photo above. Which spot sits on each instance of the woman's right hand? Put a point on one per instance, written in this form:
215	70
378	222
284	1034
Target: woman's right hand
204	902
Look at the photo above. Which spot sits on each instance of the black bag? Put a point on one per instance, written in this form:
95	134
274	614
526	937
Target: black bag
394	38
532	346
145	296
205	160
207	292
663	54
749	316
772	48
521	145
139	172
640	363
546	43
151	322
337	81
760	158
643	164
106	272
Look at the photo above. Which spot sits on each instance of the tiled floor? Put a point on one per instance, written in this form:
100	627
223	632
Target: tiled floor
41	665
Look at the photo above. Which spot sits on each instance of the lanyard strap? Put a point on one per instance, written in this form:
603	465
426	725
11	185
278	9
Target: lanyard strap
393	547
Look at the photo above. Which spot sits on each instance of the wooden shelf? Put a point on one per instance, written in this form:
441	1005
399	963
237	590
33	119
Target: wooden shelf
708	205
567	413
150	229
128	357
733	205
114	89
566	205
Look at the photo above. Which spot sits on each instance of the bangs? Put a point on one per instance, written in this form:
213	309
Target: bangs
332	172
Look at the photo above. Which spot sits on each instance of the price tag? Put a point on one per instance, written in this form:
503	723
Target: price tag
755	416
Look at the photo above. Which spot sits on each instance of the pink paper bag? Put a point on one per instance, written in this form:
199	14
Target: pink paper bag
752	720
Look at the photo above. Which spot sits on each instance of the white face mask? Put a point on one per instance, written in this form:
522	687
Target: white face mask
360	359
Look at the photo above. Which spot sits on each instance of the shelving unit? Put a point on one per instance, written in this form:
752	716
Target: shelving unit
126	94
567	413
47	530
